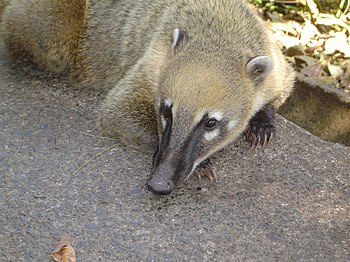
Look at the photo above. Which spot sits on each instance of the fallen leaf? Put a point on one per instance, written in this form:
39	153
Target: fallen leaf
309	31
312	49
288	28
294	50
331	45
337	43
331	20
275	18
288	41
315	70
313	7
64	252
290	59
304	59
335	70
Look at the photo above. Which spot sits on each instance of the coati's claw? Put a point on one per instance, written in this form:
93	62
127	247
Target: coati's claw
270	136
260	136
205	169
261	128
265	142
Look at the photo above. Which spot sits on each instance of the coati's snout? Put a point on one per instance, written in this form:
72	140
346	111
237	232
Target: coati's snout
177	151
173	162
170	170
162	182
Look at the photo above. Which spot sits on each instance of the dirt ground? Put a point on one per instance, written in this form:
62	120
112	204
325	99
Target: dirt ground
289	202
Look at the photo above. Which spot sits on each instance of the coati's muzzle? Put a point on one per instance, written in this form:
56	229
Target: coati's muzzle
170	168
168	173
175	157
162	181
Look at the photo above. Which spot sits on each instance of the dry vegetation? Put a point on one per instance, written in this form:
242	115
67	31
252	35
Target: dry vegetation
315	37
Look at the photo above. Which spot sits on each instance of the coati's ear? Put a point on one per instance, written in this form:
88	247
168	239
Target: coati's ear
178	36
259	67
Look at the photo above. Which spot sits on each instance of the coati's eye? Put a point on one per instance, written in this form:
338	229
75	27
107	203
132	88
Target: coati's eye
211	124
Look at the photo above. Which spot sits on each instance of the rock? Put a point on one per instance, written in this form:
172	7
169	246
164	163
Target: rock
287	202
294	50
320	108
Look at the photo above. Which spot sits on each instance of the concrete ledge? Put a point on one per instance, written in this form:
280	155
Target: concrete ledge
322	110
288	202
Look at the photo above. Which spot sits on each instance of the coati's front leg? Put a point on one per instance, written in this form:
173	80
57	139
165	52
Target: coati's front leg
261	127
128	112
205	169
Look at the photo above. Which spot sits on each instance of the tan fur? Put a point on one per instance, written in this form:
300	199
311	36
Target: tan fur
125	46
49	32
3	3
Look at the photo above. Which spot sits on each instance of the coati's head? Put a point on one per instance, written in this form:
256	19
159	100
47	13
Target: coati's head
203	104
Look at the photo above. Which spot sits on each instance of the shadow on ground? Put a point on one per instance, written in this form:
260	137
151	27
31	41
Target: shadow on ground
288	202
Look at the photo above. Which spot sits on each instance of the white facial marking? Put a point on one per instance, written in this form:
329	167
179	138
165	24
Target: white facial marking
158	102
259	102
168	102
193	168
217	115
211	135
196	163
232	124
163	121
176	37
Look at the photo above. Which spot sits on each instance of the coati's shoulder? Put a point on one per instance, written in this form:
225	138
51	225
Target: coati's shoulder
128	28
98	41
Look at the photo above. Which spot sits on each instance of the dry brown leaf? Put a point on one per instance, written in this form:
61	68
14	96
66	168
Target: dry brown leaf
64	251
294	50
312	49
315	70
318	44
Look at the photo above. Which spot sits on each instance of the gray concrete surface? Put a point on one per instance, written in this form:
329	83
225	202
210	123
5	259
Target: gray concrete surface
289	202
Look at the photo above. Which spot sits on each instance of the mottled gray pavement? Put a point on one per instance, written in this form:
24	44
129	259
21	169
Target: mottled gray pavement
289	202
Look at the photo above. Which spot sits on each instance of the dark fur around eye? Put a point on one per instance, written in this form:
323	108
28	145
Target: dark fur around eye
165	110
211	124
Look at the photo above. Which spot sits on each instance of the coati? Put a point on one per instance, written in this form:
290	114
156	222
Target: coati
186	77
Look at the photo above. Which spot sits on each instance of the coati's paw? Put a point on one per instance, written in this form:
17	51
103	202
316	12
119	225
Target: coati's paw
261	128
258	134
205	169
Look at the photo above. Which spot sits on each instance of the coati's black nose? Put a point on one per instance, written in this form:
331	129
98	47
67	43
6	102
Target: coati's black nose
160	186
